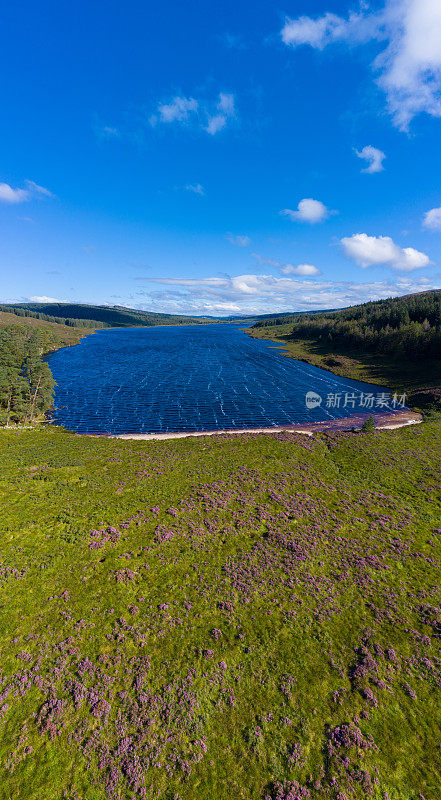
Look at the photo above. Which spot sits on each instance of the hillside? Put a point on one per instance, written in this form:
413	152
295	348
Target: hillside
392	312
98	316
57	334
394	342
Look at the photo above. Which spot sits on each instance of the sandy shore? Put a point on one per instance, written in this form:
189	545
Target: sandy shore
390	421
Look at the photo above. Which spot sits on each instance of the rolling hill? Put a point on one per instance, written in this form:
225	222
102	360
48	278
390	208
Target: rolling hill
81	314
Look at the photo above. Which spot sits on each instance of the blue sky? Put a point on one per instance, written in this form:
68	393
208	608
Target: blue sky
220	158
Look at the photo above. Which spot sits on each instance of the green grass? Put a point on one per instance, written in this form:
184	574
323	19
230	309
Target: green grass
244	581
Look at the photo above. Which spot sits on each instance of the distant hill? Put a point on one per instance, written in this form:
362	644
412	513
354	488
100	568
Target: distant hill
275	318
394	312
82	315
88	316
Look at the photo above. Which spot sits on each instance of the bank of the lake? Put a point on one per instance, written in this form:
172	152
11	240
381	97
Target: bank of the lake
382	422
420	380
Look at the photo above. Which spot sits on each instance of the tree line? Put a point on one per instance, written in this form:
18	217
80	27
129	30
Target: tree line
407	326
26	382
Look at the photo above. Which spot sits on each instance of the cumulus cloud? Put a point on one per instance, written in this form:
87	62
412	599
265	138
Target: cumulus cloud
373	157
10	195
308	210
253	294
43	299
302	269
369	251
239	240
196	188
287	269
408	65
432	219
209	116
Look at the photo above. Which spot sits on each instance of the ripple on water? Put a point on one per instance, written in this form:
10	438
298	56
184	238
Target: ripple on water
188	378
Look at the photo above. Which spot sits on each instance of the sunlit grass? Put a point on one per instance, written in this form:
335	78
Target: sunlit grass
261	618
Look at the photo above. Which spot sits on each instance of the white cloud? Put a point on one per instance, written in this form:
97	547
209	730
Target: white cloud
308	210
432	219
239	241
326	29
368	251
226	104
409	66
225	108
209	116
374	158
254	294
288	269
196	188
34	188
215	124
302	269
10	195
43	299
178	110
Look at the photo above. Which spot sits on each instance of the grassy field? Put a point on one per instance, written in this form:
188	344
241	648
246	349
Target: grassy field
248	618
400	375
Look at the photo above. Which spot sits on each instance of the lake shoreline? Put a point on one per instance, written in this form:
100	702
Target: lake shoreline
384	421
376	368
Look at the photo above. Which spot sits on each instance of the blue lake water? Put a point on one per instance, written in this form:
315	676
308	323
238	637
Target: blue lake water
191	378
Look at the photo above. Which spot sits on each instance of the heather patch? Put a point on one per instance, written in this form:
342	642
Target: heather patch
251	618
